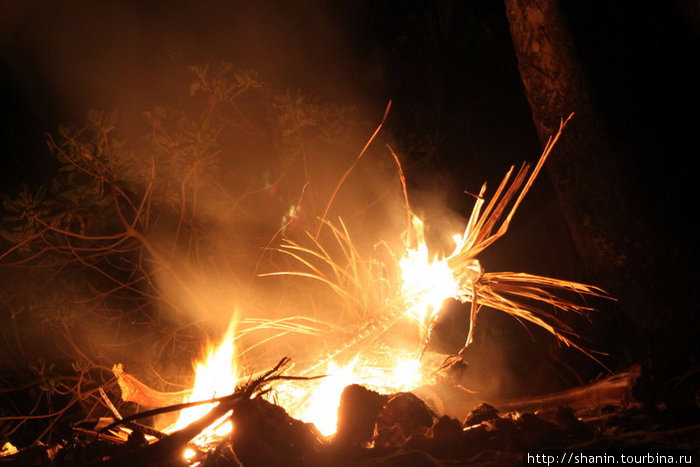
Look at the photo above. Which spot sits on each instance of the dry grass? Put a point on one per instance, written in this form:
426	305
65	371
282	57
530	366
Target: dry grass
364	284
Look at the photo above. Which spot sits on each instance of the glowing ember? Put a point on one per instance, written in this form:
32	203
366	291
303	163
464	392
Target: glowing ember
215	376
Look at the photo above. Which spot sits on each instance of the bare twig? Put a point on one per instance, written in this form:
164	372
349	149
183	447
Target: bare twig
349	171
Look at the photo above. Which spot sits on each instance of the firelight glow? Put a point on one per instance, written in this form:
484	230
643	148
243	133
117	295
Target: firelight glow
413	288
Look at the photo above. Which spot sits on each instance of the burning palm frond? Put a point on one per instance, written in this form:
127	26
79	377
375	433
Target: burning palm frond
479	233
366	285
510	293
505	291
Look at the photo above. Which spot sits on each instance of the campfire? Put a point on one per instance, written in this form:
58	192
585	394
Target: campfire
375	391
366	369
224	270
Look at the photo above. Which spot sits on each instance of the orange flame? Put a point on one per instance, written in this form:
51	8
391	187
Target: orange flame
426	281
215	376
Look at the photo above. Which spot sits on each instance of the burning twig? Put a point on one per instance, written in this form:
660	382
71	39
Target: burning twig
105	428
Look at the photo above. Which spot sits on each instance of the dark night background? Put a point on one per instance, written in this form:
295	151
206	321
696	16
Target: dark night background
460	116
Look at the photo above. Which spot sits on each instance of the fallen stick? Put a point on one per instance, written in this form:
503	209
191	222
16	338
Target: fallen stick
614	390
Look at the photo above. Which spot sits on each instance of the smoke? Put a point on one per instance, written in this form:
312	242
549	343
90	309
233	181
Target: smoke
212	227
277	154
132	56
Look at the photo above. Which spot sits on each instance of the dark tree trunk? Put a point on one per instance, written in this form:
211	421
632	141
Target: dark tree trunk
595	175
586	171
